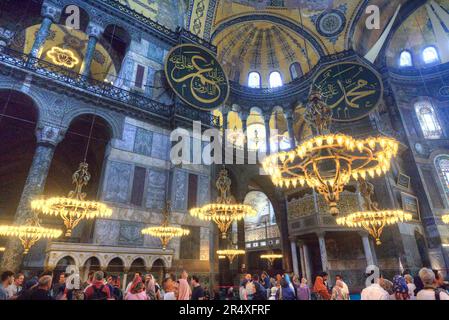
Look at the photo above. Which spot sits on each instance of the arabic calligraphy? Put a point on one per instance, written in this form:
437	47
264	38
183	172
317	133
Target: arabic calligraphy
351	90
196	77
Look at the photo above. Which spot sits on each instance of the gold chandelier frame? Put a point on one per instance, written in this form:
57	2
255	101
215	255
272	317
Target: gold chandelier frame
73	208
328	161
165	232
230	253
271	257
372	219
445	218
225	211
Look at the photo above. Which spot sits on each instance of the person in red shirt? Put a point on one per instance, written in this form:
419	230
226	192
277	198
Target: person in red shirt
98	290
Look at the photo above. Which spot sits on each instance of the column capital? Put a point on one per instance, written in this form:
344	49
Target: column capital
51	10
321	234
94	30
293	238
49	134
363	234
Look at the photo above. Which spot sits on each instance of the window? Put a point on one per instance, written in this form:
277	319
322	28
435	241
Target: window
138	186
442	164
430	55
254	80
275	80
192	191
295	70
139	76
428	120
405	59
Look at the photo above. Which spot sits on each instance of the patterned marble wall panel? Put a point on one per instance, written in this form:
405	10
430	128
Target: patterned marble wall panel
127	141
160	146
130	233
35	258
106	232
203	190
143	142
179	193
151	242
204	243
156	53
157	180
118	178
150	82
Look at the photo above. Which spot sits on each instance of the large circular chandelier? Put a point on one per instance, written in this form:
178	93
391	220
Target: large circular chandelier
230	253
165	232
225	211
73	208
445	218
372	220
29	233
328	161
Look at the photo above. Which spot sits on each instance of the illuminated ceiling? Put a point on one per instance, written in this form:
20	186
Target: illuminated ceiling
268	35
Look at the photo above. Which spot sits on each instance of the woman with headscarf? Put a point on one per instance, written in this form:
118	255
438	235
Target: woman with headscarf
303	290
137	292
320	289
339	292
150	287
184	291
411	286
132	287
400	288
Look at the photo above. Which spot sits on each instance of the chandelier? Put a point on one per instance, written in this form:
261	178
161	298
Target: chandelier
29	233
372	220
165	232
2	249
230	253
446	218
328	161
73	208
225	211
271	257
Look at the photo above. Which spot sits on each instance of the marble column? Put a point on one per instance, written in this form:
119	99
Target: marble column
225	113
291	134
294	255
51	13
267	133
244	117
307	264
367	248
47	139
94	31
323	251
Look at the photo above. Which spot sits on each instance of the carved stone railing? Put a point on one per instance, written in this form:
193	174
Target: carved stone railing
65	76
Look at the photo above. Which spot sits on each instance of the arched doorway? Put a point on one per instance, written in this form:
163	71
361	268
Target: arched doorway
115	267
18	118
91	265
86	138
158	270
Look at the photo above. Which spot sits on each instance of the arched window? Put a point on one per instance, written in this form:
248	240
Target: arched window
428	120
254	80
405	60
295	70
275	79
442	164
430	55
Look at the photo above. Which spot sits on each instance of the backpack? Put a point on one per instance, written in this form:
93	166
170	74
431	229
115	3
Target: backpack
98	293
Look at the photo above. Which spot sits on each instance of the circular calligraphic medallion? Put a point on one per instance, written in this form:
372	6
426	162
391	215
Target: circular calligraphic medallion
196	77
331	24
351	89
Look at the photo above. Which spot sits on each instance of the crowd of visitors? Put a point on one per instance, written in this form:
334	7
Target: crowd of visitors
427	285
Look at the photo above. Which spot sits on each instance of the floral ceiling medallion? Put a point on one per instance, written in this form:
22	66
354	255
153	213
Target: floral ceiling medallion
62	57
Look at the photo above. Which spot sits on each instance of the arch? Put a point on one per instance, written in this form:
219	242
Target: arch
65	261
158	268
406	59
317	44
279	138
295	70
115	265
254	80
442	166
430	55
275	79
235	135
428	119
92	263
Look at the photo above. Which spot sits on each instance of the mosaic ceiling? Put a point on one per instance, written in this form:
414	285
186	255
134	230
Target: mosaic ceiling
268	35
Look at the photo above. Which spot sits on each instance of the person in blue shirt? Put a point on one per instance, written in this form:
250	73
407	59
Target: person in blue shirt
7	279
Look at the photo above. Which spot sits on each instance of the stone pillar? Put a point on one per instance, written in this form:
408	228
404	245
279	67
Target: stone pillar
307	265
94	31
291	134
367	248
294	255
125	278
47	139
267	133
323	251
51	13
225	113
244	117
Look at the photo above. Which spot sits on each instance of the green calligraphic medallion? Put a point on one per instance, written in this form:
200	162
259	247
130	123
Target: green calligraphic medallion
196	77
351	89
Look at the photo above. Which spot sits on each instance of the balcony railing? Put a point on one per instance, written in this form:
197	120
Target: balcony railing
63	75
